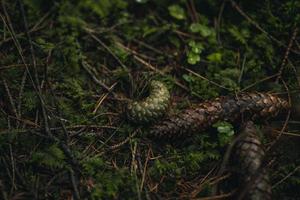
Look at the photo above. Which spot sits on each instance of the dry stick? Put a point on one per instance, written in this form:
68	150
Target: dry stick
67	151
286	55
222	196
13	166
134	52
260	81
87	67
219	21
33	29
10	66
106	48
16	42
295	71
286	120
287	133
30	43
159	71
234	4
124	141
204	179
226	158
5	165
218	179
134	166
193	8
143	172
204	78
150	47
86	127
3	192
18	36
74	184
20	178
286	177
147	64
63	146
21	93
102	98
242	70
145	169
11	100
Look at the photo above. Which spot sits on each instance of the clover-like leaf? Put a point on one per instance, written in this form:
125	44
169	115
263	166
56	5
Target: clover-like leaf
226	132
177	12
215	57
202	29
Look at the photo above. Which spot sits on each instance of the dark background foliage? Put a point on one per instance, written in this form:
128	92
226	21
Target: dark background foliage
68	68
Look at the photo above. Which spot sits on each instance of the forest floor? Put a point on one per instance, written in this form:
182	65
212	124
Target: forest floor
68	69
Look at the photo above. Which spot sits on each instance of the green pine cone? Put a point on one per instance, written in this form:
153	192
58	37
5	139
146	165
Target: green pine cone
152	107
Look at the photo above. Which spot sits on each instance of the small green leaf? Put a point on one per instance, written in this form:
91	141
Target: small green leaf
215	57
226	132
202	29
196	46
187	77
177	12
239	35
193	58
45	45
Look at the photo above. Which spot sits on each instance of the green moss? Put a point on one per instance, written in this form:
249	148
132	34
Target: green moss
224	48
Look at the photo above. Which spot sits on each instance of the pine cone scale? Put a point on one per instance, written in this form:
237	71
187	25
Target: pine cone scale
223	108
249	157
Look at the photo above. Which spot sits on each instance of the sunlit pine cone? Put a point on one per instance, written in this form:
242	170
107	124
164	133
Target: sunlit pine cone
227	108
249	155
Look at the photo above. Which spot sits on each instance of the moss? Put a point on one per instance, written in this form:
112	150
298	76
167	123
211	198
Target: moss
163	40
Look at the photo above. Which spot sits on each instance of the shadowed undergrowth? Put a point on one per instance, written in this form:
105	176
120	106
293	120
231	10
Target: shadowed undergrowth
68	71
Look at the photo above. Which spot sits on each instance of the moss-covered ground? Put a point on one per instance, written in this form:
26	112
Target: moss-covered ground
68	69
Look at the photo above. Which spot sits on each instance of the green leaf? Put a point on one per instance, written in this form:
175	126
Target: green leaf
202	29
193	55
215	57
226	132
240	35
187	78
177	12
193	58
196	46
45	45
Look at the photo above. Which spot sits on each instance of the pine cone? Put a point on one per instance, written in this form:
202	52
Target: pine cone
152	107
249	157
227	108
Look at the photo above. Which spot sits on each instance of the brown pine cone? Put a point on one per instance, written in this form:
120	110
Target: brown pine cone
227	108
249	157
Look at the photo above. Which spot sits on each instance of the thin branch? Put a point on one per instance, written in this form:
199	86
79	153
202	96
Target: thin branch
286	55
260	81
256	25
286	177
286	120
105	47
204	78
